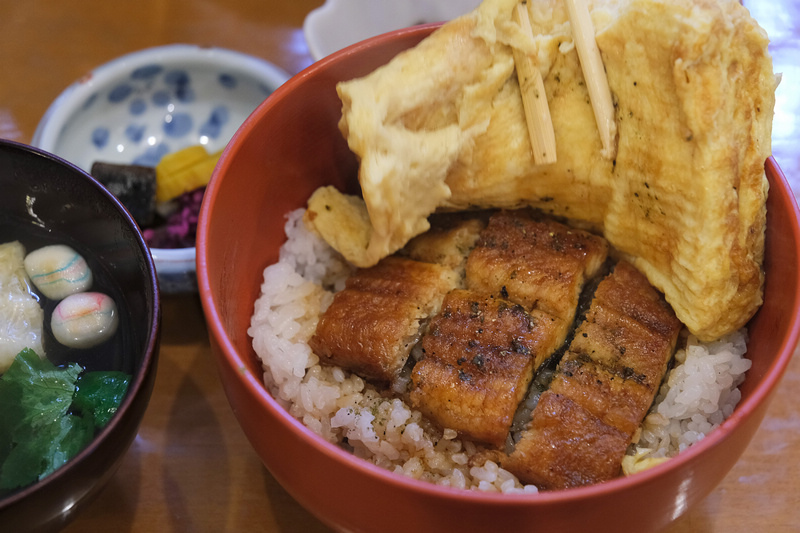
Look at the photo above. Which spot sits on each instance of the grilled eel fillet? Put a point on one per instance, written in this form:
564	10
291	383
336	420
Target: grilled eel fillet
442	127
478	359
602	389
536	262
449	241
374	322
522	277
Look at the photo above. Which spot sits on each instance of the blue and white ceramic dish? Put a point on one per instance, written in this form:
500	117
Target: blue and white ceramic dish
140	106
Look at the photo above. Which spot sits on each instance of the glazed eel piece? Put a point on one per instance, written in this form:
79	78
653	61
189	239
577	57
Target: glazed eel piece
374	322
602	388
378	318
460	320
523	282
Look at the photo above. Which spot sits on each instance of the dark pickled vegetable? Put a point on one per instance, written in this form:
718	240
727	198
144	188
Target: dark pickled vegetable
133	185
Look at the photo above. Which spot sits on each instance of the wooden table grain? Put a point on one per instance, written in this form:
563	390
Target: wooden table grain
191	469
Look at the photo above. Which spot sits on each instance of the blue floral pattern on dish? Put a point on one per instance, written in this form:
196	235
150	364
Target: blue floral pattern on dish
166	108
146	72
135	132
100	137
152	155
213	126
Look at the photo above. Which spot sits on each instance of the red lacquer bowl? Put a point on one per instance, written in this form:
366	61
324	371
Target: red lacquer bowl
290	146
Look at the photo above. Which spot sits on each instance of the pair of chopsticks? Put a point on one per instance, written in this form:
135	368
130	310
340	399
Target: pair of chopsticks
534	99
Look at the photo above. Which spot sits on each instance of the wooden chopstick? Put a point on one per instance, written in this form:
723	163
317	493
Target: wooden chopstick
534	99
594	73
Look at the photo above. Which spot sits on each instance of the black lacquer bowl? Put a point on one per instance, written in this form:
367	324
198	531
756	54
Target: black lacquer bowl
45	199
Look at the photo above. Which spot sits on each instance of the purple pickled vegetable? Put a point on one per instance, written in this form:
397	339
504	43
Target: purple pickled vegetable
180	228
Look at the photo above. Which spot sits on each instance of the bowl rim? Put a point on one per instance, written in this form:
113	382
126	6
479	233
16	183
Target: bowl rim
256	389
174	256
149	362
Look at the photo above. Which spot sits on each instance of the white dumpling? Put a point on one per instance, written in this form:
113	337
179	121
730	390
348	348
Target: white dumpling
84	320
58	271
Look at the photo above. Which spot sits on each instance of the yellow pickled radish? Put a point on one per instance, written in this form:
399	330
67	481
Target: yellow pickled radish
184	171
177	161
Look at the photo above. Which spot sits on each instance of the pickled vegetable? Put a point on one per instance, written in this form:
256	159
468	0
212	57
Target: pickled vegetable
184	171
133	185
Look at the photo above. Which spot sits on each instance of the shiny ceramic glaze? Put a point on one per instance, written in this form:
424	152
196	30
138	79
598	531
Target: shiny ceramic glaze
68	201
292	143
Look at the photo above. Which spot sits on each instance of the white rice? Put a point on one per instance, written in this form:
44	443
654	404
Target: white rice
700	392
343	409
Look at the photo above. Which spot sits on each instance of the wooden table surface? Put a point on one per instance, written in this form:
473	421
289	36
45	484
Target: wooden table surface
190	467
